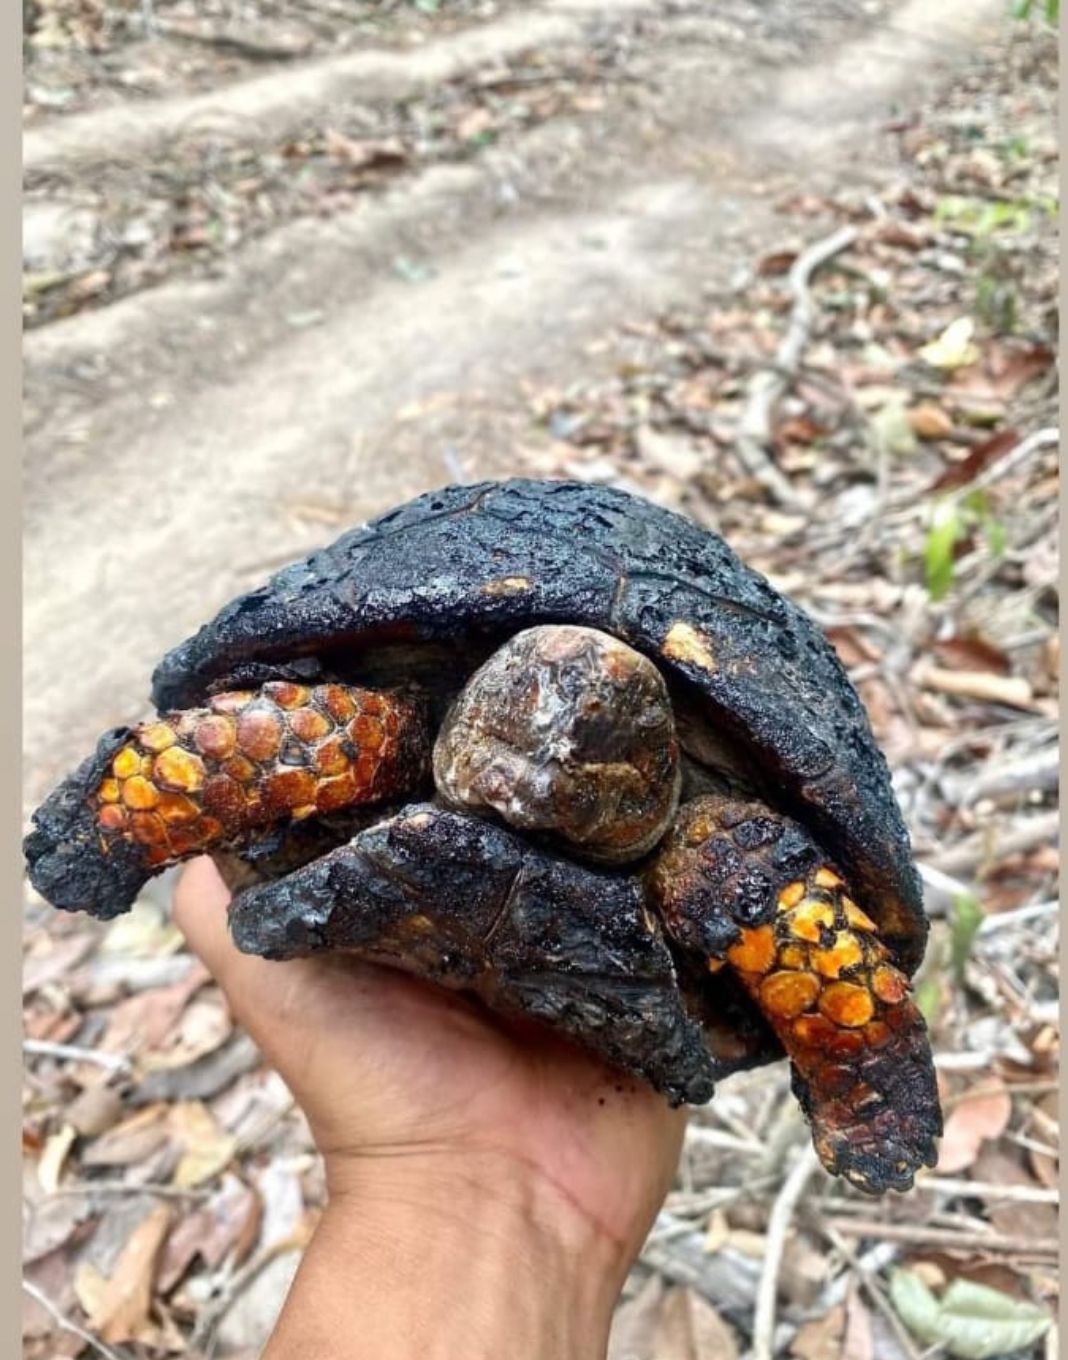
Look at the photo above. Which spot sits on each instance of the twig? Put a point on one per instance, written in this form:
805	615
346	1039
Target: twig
214	1311
945	1237
767	387
1037	771
871	1287
125	1188
782	1212
1023	1194
990	924
66	1324
987	844
45	1048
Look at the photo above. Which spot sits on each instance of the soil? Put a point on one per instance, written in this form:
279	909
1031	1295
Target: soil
198	414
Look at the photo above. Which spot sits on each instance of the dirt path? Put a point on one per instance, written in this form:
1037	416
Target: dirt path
188	437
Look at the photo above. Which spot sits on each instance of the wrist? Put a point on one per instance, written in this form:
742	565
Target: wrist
446	1254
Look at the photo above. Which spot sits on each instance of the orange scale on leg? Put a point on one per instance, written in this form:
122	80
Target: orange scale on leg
337	701
111	818
755	951
889	985
259	732
308	724
216	737
148	829
367	733
285	694
336	793
847	1004
233	701
332	757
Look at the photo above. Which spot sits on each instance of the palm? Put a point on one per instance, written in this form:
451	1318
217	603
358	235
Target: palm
381	1062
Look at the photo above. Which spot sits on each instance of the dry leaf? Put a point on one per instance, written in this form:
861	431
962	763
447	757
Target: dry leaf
203	1027
227	1222
206	1149
822	1337
50	1167
929	421
96	1110
954	348
689	1328
633	1334
980	1115
118	1306
979	457
971	654
385	152
131	1141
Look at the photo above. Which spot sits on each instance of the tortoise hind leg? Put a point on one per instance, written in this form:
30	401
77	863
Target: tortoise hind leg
472	906
755	895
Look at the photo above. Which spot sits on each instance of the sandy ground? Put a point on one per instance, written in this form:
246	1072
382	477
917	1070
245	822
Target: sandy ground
187	438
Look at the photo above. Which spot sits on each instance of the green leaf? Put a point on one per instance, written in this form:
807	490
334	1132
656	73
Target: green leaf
942	537
972	1321
966	919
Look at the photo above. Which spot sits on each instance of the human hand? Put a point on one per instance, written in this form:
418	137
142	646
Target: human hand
487	1179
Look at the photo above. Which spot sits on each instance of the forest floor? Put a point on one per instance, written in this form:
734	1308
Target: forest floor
301	260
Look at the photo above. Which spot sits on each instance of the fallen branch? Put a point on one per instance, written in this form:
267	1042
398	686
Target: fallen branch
782	1213
920	1236
1026	1194
726	1278
1039	771
990	843
45	1048
767	387
983	686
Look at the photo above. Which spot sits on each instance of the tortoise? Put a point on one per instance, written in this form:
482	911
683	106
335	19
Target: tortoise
559	747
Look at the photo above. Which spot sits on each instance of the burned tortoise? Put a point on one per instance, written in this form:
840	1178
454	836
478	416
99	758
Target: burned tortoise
559	747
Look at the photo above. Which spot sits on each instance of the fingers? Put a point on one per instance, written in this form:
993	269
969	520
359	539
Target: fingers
253	986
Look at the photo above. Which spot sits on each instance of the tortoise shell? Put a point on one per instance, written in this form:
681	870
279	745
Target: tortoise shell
434	585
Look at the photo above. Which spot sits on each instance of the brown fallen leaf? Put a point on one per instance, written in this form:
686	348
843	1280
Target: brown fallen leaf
203	1026
820	1338
852	647
858	1343
971	653
982	1114
689	1328
978	459
228	1222
380	154
634	1323
206	1149
50	1167
118	1305
777	262
929	421
1005	368
131	1141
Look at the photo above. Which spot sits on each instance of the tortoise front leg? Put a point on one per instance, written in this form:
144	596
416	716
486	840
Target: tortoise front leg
470	905
219	776
750	890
